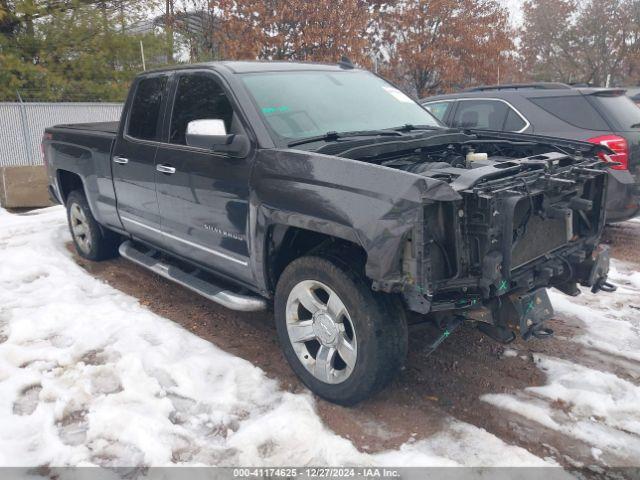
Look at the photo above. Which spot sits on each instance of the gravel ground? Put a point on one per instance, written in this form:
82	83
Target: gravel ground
449	383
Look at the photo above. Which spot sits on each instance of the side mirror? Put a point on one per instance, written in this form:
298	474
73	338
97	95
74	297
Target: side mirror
211	134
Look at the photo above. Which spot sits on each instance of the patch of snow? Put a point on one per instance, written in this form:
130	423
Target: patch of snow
509	353
590	393
592	404
634	279
527	407
612	321
596	452
88	376
466	445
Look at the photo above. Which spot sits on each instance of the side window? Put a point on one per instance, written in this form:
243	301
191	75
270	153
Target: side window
483	114
199	96
145	109
439	109
573	109
514	122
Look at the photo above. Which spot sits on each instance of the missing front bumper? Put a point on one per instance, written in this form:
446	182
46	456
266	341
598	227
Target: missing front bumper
526	313
518	313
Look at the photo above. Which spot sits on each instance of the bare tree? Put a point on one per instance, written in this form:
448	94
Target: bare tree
586	42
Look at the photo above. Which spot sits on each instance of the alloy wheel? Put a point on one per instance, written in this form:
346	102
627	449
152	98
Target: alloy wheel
80	228
321	331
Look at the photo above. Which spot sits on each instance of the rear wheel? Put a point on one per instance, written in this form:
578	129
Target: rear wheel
91	241
344	341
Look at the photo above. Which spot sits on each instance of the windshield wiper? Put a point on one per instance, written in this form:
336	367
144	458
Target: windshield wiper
333	136
635	125
407	127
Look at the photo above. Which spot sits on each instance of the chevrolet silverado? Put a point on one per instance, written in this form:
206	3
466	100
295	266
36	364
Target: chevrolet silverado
328	193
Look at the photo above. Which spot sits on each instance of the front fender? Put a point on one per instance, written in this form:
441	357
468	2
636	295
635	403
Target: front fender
370	205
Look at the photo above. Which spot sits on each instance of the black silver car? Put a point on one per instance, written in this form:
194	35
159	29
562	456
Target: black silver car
597	115
634	94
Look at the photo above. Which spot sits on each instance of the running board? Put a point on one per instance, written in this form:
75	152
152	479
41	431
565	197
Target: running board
226	298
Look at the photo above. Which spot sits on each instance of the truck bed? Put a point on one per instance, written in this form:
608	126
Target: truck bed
84	149
100	127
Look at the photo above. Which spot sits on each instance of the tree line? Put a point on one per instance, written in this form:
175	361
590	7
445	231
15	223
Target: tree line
75	50
594	42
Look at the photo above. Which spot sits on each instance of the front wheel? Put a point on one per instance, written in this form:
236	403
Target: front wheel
344	341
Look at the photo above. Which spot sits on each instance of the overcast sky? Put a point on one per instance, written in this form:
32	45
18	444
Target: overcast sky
515	6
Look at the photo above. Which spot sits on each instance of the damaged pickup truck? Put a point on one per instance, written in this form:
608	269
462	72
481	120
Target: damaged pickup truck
328	193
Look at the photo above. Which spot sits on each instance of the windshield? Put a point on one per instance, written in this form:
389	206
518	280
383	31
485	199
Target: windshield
298	105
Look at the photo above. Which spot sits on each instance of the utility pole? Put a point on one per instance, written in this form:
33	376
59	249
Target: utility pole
168	29
144	65
24	122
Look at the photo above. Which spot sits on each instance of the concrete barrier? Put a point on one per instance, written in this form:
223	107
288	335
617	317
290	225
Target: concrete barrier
24	187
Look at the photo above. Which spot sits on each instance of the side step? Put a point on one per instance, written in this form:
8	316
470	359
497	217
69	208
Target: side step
226	298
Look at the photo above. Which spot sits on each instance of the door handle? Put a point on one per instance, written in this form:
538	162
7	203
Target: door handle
165	169
121	160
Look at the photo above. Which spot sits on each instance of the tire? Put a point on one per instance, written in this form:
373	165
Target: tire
91	240
371	334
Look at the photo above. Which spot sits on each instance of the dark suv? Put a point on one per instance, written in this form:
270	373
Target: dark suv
597	115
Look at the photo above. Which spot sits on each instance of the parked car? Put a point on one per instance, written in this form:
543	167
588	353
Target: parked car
598	115
634	94
328	192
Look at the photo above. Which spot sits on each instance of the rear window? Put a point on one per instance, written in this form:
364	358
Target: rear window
145	110
621	109
575	110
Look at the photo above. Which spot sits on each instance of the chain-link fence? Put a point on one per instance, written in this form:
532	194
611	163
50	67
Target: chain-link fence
22	126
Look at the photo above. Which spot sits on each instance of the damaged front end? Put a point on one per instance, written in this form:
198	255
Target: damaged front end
521	226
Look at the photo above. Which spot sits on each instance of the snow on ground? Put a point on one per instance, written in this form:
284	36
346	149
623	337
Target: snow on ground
612	322
593	405
88	376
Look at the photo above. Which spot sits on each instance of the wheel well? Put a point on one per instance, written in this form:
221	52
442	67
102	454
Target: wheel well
68	182
285	244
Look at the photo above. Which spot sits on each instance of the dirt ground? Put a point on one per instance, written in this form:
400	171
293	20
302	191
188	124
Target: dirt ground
430	388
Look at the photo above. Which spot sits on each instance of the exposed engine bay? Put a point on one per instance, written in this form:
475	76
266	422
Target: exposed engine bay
529	217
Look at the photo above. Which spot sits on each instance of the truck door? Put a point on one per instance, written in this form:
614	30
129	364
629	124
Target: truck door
203	196
133	159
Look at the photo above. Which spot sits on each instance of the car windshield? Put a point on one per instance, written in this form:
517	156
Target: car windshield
297	105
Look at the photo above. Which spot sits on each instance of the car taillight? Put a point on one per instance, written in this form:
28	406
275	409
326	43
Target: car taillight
619	145
43	151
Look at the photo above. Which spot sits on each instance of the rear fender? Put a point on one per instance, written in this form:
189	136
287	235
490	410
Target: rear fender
89	157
